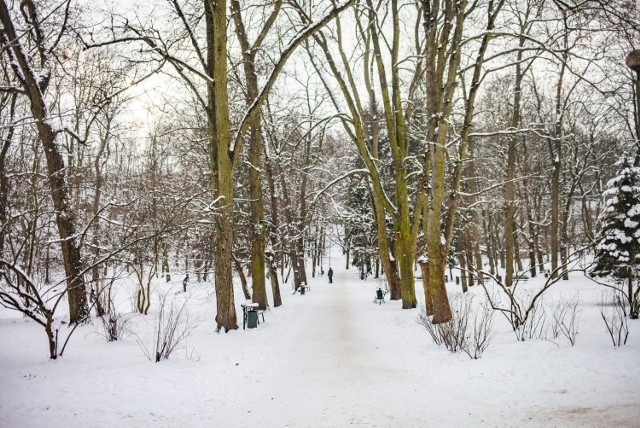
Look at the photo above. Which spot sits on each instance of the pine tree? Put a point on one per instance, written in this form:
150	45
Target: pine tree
618	242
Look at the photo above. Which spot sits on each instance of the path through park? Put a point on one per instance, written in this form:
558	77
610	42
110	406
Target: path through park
329	358
337	367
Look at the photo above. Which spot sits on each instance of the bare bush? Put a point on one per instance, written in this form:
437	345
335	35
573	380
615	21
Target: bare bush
172	327
525	310
534	326
481	333
468	330
35	300
613	310
566	318
114	325
434	330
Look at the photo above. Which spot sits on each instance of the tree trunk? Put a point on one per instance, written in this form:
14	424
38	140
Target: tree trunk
258	231
243	280
347	247
221	165
463	273
65	219
275	221
510	185
488	238
275	285
555	150
388	265
428	301
4	179
165	262
633	305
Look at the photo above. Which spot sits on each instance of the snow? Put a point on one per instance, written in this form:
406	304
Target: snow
634	211
329	358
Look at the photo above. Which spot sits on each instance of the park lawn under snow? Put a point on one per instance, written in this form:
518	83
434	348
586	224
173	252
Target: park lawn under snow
329	358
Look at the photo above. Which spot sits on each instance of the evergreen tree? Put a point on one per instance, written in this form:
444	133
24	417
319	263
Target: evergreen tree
618	242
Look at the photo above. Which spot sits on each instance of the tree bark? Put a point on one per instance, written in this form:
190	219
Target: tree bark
221	165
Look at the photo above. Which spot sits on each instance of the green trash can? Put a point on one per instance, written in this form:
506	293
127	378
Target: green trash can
252	319
302	289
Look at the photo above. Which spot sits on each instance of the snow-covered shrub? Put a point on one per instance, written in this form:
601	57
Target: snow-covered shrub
565	319
469	330
172	327
618	241
613	310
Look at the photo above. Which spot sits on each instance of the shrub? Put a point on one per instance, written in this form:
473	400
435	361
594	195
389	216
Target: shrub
469	330
172	327
566	317
613	310
113	325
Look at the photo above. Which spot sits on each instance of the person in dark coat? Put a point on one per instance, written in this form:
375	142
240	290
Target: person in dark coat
184	283
330	275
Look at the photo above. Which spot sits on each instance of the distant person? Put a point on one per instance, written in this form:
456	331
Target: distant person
330	275
184	283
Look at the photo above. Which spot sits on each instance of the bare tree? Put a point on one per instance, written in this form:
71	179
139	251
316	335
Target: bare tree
32	75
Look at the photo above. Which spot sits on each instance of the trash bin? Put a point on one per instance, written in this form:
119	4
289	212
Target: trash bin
457	280
379	294
252	319
302	289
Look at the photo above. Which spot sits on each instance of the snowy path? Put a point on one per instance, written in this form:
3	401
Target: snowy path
334	365
328	363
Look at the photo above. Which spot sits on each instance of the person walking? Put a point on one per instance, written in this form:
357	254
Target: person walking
330	275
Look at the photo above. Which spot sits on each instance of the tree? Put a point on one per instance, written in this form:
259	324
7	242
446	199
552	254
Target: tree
257	226
618	242
32	73
391	191
443	50
224	151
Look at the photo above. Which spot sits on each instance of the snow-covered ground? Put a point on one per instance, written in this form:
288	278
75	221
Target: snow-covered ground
330	358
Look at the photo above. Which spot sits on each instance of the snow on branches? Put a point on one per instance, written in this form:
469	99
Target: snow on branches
618	243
